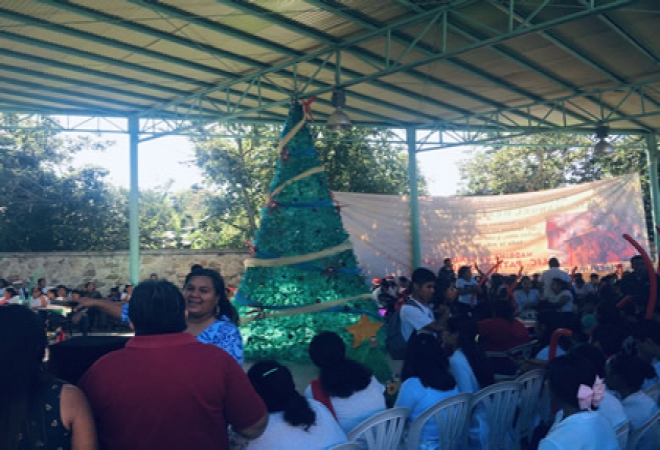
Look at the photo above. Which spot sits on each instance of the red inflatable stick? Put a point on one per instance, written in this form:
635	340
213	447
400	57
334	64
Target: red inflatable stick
573	274
653	280
554	341
484	278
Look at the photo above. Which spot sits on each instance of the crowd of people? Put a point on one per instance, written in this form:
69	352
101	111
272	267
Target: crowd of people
179	383
607	340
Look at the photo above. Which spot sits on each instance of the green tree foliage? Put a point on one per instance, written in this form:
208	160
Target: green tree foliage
539	162
239	169
44	204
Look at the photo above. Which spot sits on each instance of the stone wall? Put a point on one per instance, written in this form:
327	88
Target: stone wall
108	269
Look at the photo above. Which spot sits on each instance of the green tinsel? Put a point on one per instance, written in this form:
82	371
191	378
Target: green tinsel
286	231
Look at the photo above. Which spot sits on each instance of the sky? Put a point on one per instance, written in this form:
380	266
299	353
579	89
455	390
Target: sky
169	158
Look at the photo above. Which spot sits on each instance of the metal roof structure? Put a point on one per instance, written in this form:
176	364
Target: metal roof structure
444	64
488	67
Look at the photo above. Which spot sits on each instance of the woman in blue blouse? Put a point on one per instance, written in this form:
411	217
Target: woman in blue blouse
211	318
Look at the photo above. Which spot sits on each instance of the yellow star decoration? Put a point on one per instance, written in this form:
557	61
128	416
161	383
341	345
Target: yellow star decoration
362	330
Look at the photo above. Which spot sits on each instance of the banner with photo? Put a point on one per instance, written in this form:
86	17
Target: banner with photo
581	225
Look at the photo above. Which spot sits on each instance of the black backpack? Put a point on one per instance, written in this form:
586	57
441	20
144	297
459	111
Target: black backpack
395	344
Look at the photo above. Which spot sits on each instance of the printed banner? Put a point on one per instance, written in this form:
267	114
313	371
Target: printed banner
580	225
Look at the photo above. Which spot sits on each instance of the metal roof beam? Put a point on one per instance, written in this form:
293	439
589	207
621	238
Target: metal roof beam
406	40
97	111
629	38
288	70
114	43
390	67
88	71
562	43
641	93
97	15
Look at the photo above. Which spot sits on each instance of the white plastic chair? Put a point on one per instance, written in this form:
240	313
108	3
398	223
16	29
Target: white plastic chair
383	431
451	415
653	391
648	432
622	432
532	385
350	445
500	401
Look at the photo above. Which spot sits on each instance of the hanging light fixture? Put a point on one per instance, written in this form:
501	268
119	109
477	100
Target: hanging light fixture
603	145
338	120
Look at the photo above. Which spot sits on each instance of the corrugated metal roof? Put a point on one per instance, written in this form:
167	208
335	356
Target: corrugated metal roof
402	62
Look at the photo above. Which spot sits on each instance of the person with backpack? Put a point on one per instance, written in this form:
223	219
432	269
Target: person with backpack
415	315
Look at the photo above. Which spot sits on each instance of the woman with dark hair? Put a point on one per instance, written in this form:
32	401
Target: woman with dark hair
575	392
625	375
211	318
37	411
426	381
610	406
468	361
346	387
471	369
294	422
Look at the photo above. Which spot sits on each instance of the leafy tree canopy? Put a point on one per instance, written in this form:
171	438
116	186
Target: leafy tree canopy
239	169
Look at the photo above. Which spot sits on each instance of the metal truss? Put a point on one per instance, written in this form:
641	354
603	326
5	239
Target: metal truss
640	95
409	58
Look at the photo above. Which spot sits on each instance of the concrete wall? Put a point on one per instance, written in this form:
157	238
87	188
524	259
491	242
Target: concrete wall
108	269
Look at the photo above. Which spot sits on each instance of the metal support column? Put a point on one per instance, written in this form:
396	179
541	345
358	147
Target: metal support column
652	155
415	247
133	211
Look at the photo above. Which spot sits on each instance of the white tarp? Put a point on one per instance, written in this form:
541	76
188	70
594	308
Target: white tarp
581	225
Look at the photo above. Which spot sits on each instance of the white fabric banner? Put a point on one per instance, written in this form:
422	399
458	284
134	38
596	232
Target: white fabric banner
581	225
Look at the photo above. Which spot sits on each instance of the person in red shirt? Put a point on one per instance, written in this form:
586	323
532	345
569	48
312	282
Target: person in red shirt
501	333
166	390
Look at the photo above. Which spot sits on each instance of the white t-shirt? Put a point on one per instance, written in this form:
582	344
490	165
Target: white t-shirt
35	302
414	317
526	298
639	408
460	367
353	410
462	284
279	435
568	306
587	430
418	398
612	409
546	279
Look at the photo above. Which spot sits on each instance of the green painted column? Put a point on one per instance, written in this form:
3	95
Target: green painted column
133	211
652	155
415	245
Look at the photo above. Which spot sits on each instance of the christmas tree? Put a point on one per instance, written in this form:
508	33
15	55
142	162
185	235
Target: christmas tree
303	276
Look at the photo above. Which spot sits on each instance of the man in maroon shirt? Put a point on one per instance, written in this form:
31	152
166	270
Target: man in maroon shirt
166	390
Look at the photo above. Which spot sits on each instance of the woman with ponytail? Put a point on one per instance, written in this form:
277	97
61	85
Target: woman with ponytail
468	362
576	392
347	387
471	369
294	421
